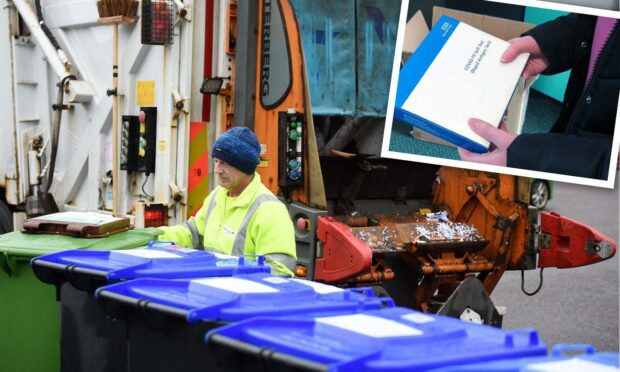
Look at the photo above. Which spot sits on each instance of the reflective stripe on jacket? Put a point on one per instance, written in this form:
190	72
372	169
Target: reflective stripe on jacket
255	222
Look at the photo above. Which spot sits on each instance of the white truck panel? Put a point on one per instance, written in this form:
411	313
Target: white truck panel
8	165
85	144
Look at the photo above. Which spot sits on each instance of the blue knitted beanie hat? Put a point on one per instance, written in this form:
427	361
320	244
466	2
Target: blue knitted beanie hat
238	147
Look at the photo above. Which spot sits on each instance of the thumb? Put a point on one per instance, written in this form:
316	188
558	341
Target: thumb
517	46
490	133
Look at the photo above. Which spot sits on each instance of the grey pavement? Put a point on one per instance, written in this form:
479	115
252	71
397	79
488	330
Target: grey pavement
577	305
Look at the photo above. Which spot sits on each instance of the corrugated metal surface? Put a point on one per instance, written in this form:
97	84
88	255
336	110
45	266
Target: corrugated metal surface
376	39
328	37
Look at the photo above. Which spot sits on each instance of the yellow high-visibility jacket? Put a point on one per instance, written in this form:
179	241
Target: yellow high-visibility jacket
255	222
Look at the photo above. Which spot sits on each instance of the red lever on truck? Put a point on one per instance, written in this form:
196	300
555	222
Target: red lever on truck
343	256
568	243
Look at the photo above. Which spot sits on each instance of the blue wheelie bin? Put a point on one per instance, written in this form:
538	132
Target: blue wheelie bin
89	340
392	339
562	359
167	319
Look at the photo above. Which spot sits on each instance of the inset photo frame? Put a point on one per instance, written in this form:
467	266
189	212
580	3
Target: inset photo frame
605	8
523	90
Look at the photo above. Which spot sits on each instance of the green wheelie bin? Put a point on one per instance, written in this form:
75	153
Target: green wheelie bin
29	311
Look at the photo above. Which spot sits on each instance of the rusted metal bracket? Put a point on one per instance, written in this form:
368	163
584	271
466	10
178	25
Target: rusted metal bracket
544	241
378	273
475	191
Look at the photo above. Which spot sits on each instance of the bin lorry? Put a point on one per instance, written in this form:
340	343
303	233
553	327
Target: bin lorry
116	113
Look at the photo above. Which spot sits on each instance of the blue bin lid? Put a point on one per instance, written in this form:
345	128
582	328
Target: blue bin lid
589	361
381	340
156	260
240	297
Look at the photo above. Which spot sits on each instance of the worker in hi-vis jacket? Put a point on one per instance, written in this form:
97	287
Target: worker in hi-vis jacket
240	216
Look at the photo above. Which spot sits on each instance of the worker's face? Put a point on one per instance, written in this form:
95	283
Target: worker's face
229	177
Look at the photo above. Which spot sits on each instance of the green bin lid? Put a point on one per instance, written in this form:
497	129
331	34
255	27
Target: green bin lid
21	246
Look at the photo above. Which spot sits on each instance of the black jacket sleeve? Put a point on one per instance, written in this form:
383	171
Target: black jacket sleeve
562	153
557	40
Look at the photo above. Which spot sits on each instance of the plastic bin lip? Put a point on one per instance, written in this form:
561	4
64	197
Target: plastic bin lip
40	266
26	246
129	301
155	261
237	297
589	360
294	362
360	342
95	260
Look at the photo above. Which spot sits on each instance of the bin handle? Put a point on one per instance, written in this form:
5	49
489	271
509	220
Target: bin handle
160	244
531	332
386	302
362	290
260	259
561	349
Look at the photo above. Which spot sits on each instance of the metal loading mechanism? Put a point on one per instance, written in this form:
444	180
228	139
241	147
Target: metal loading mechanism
471	235
425	241
431	248
479	225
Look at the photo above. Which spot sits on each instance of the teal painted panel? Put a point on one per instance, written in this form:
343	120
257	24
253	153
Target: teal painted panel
376	39
328	36
553	86
349	49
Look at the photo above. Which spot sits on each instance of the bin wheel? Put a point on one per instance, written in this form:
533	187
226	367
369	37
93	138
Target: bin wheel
6	219
539	194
